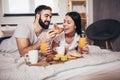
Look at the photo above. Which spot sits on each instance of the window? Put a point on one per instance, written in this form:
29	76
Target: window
27	7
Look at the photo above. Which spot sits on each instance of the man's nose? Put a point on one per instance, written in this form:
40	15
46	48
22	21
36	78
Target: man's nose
49	18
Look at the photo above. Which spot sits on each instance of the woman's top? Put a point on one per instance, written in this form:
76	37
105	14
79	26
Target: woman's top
60	39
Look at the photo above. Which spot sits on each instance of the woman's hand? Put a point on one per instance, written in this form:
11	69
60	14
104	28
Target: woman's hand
84	50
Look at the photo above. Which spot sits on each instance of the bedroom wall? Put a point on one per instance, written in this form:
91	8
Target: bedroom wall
55	19
106	9
29	19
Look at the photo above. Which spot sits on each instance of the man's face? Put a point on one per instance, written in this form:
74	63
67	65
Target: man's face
45	18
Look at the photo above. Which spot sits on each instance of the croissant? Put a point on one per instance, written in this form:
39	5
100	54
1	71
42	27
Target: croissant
72	55
57	29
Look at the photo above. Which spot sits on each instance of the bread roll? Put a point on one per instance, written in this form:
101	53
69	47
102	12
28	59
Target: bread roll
72	55
57	29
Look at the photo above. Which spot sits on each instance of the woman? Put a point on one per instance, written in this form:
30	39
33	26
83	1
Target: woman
70	37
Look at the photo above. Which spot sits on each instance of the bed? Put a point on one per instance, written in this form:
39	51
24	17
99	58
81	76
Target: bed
99	64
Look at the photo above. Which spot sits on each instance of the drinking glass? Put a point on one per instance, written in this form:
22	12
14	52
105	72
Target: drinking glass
43	47
82	42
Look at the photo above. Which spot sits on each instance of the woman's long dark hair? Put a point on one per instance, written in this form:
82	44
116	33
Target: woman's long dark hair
77	19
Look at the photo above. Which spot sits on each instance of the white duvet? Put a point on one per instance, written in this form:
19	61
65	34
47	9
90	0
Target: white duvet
14	68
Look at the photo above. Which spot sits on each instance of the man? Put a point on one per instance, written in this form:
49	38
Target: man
28	37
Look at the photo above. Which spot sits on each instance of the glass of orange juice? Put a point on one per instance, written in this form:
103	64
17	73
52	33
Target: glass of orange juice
82	42
43	47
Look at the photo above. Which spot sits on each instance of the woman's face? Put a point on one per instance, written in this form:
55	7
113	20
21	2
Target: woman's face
69	25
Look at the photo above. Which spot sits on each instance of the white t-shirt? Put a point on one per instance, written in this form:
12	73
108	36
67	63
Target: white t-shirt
60	39
22	31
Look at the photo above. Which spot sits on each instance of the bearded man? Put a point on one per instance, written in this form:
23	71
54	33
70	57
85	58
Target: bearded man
28	37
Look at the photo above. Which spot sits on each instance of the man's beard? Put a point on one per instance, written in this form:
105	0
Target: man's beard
44	26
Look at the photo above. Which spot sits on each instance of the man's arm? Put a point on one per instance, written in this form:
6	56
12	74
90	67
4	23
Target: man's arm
24	46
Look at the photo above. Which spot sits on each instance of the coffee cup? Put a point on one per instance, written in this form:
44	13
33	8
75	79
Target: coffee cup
32	56
60	50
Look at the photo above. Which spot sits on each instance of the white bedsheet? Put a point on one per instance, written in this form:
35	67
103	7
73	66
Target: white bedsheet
97	65
108	71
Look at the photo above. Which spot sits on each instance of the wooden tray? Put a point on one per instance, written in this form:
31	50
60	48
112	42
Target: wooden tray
42	62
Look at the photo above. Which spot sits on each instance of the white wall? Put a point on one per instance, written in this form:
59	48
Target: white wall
90	12
29	19
55	19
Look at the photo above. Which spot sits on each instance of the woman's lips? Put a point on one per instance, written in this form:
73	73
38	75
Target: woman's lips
65	29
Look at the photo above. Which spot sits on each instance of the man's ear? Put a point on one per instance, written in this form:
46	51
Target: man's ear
37	16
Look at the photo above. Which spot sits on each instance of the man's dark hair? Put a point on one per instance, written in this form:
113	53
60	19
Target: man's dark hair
42	7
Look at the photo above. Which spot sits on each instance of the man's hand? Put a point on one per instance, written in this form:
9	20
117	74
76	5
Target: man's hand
49	36
49	49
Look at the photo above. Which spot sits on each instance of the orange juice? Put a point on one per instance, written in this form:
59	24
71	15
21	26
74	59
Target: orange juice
82	42
43	47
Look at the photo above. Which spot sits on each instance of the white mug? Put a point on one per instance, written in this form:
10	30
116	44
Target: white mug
32	56
60	50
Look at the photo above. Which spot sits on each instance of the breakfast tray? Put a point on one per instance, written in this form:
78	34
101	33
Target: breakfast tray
42	62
